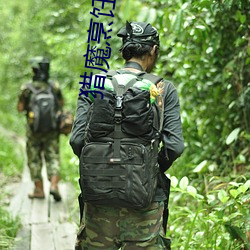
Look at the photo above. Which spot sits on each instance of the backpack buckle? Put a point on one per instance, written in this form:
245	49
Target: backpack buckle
118	118
119	102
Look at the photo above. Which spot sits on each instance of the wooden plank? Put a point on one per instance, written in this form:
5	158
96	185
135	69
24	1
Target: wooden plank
62	211
40	207
45	222
70	196
16	203
58	211
20	205
64	235
26	173
39	211
71	202
42	237
22	240
25	209
60	214
24	213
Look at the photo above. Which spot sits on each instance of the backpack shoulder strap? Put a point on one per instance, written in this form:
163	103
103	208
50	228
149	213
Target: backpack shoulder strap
35	90
111	73
119	88
32	88
53	90
51	86
153	78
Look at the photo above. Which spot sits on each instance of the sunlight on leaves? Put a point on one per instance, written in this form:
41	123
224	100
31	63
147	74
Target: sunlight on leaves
184	183
222	196
232	136
234	192
174	181
200	167
192	190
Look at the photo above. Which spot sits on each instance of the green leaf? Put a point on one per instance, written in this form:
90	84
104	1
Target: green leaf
174	181
210	198
184	183
222	196
126	9
177	25
234	215
201	27
242	189
192	190
234	192
248	61
245	199
233	183
247	184
232	136
235	232
240	17
200	167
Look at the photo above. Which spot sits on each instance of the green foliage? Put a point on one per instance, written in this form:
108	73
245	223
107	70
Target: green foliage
69	162
11	165
8	229
9	225
217	220
11	156
205	52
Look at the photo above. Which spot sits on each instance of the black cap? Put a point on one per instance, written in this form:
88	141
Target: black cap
40	66
139	32
37	61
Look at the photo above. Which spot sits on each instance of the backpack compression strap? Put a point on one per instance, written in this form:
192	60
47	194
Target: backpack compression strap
35	90
164	182
122	89
119	89
32	88
153	78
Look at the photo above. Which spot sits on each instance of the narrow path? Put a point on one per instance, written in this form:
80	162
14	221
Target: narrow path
46	224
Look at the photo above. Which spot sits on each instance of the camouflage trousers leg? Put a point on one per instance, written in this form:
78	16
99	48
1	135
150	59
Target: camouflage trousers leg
47	146
51	156
34	157
121	228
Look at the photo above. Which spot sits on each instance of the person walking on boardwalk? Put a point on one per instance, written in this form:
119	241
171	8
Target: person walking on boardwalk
116	135
42	101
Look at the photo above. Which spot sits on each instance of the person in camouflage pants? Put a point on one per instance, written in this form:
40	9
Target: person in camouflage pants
110	227
49	145
42	145
107	228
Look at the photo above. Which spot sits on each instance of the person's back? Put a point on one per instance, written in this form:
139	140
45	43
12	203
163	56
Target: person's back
42	102
111	226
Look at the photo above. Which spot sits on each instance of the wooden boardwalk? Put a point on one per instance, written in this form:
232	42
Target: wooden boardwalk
46	224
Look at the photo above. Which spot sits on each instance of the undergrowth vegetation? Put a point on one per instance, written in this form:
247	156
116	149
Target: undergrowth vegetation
11	165
216	219
205	52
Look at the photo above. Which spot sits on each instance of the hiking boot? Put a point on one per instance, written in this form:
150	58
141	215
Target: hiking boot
54	187
38	191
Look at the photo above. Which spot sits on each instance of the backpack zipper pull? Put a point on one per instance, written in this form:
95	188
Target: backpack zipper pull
119	100
152	143
31	116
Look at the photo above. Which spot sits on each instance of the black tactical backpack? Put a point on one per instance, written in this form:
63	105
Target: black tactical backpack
118	164
43	109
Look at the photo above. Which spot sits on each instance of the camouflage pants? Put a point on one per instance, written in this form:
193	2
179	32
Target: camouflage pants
43	147
121	228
